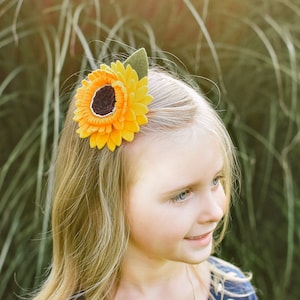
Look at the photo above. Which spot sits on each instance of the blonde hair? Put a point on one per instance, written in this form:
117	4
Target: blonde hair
89	227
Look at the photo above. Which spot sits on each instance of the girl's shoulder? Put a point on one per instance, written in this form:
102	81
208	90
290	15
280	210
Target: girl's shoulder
228	282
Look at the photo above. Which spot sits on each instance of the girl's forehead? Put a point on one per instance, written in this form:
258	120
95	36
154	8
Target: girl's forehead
147	151
171	165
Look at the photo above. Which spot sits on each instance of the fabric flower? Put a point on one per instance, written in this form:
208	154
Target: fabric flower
111	105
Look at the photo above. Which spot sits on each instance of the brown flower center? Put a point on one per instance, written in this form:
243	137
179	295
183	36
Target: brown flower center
103	102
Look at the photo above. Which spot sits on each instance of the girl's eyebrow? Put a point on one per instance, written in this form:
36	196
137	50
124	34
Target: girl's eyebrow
178	189
188	185
220	170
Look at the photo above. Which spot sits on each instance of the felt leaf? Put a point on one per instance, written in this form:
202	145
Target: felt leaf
139	62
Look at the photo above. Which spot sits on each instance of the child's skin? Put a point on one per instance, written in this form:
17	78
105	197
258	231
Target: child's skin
175	202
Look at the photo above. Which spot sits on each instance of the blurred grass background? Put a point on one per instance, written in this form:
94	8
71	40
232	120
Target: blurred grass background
249	48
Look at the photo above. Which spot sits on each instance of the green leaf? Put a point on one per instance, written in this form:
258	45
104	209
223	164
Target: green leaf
139	62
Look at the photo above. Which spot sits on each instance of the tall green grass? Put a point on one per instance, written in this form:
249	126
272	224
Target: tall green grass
250	50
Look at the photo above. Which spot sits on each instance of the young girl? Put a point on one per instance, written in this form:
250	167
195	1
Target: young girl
142	192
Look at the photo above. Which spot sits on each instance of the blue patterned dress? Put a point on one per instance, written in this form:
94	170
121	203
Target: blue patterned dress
231	287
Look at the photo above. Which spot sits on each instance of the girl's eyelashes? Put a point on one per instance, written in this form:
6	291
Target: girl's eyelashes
182	196
216	181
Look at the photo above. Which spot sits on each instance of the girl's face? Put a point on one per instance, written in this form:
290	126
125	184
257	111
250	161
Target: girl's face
176	197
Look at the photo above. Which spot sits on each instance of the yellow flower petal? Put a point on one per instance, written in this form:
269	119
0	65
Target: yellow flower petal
141	92
82	133
93	142
139	108
111	146
117	125
142	119
108	128
132	126
130	115
127	135
101	140
116	137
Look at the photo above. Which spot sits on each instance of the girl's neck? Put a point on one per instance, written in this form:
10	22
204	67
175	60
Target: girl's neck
152	279
142	269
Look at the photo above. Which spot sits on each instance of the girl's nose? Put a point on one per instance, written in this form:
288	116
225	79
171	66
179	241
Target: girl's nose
212	206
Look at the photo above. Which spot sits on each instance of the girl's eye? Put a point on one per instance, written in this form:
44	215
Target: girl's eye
216	181
181	196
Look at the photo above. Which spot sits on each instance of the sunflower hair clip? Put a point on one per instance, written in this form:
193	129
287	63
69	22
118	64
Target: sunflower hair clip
112	102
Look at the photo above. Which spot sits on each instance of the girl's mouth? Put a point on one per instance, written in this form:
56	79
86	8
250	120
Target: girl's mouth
200	240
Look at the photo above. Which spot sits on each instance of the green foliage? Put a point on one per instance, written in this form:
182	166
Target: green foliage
250	49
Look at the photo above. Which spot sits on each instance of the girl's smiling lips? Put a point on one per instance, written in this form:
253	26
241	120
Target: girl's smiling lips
197	237
200	240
